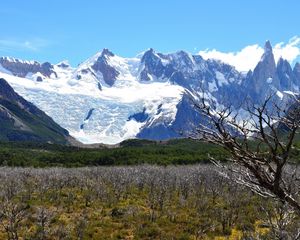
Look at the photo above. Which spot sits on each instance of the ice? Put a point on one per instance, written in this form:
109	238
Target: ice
279	94
67	100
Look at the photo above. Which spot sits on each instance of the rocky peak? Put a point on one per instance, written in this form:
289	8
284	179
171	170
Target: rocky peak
268	56
281	61
296	71
266	68
152	65
150	56
249	73
297	66
63	64
106	53
284	66
183	54
183	61
268	47
109	73
285	74
264	77
22	68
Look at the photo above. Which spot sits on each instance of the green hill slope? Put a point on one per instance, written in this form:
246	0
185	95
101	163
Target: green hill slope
22	121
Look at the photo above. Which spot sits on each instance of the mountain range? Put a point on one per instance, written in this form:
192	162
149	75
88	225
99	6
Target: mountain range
108	98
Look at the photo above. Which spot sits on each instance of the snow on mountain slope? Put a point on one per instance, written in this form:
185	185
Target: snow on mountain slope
68	101
108	98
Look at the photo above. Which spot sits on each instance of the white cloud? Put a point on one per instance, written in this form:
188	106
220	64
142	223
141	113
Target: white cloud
249	56
289	51
35	44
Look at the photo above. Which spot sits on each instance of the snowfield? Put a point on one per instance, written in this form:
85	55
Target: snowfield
68	100
107	98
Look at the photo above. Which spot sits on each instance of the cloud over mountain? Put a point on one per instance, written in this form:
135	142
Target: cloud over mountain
247	58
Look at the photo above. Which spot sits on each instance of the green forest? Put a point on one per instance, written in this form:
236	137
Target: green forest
130	152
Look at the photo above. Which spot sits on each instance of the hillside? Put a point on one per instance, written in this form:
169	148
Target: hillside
108	98
20	120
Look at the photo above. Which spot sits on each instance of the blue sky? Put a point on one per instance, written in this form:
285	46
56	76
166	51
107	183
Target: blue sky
54	30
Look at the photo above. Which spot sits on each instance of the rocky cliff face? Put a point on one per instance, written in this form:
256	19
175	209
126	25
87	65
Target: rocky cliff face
109	73
146	96
296	72
288	79
263	77
23	68
269	77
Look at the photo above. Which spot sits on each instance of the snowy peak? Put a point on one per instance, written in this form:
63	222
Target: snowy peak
98	68
183	61
109	73
106	53
150	57
22	68
64	64
158	66
142	96
16	60
152	66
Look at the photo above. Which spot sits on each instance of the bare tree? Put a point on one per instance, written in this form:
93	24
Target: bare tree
43	219
281	221
11	216
259	145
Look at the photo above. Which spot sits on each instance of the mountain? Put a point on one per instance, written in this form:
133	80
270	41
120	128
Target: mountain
23	68
108	98
22	121
269	77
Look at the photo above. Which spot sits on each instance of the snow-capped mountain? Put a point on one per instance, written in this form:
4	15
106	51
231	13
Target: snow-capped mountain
269	77
108	98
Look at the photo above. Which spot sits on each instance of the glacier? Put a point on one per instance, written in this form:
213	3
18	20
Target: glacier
108	98
68	100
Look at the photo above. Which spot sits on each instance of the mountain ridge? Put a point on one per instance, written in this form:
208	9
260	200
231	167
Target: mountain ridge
151	86
20	120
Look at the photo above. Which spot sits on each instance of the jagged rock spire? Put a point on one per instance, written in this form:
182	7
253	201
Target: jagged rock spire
264	74
268	47
285	74
296	71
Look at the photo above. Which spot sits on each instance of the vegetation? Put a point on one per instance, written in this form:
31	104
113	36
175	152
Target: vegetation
36	125
131	152
265	169
140	202
133	202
